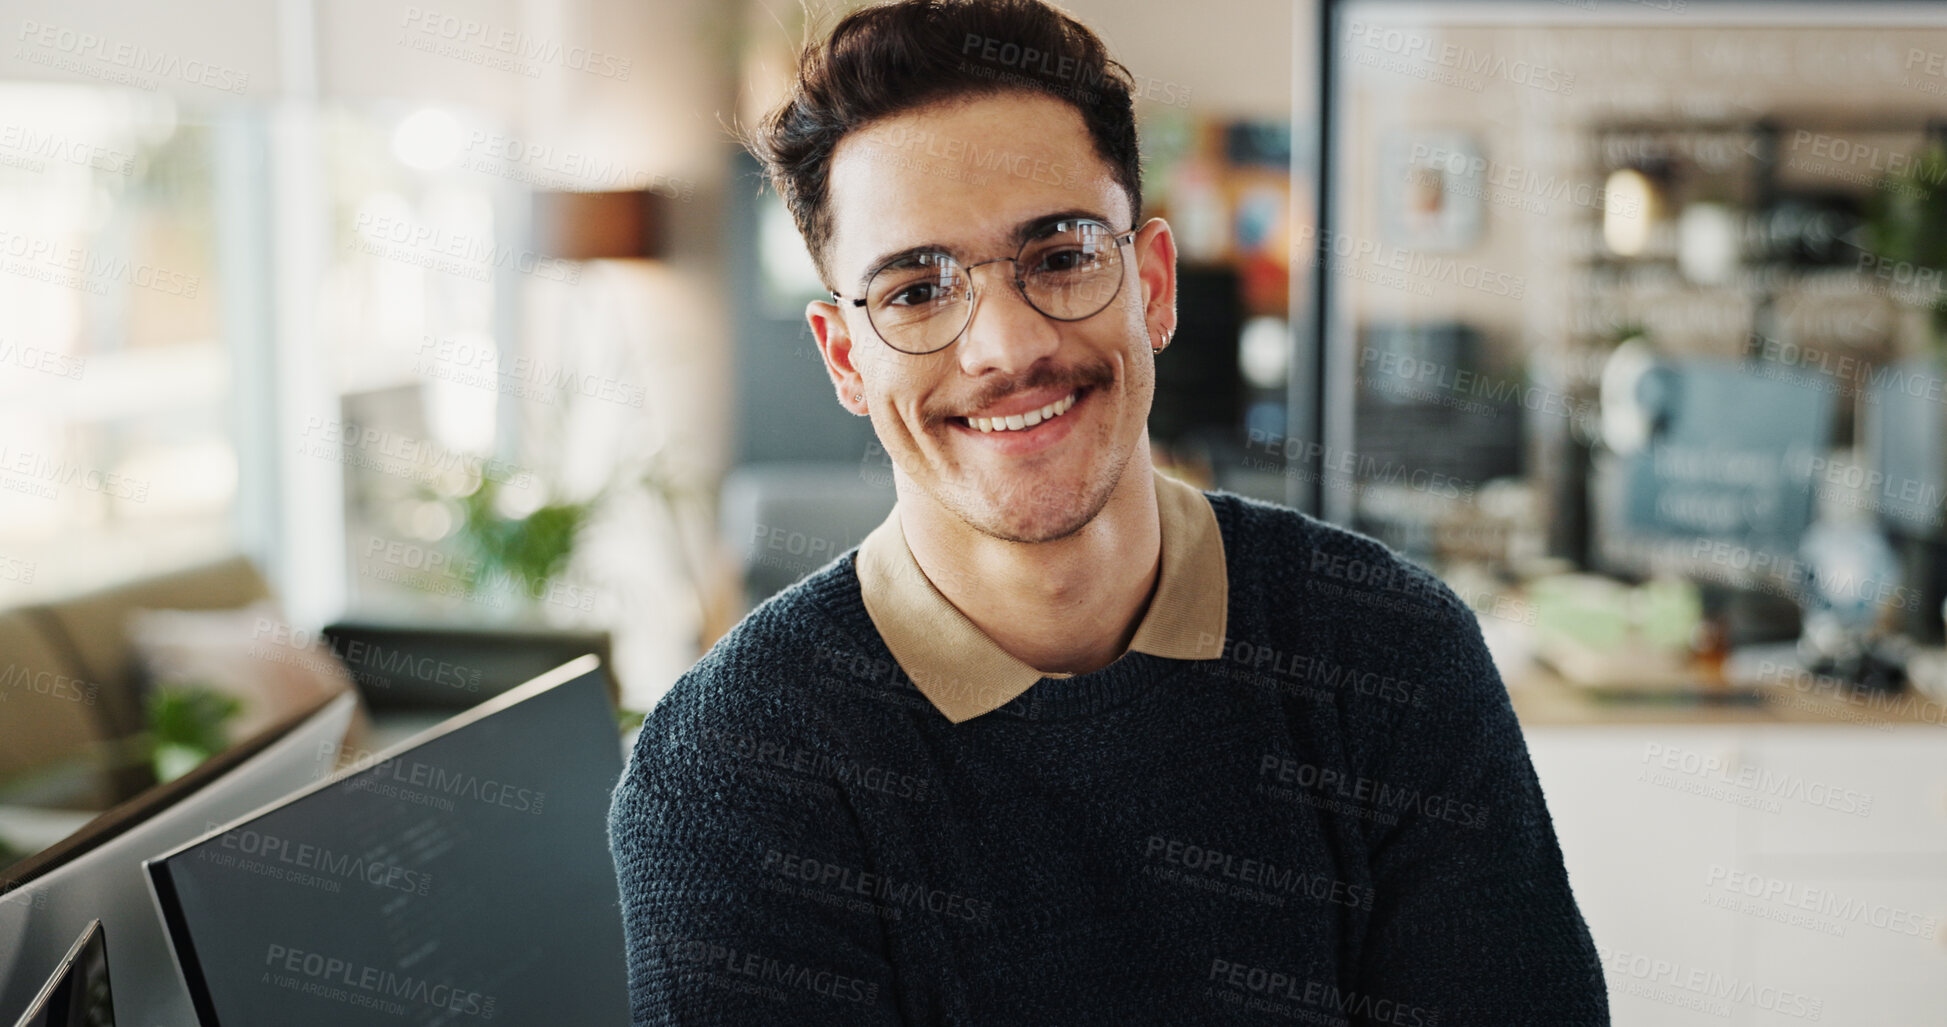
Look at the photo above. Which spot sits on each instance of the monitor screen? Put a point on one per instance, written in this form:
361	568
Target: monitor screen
1730	459
77	993
1906	437
462	876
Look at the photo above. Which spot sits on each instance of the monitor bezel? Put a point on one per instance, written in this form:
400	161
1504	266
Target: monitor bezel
94	935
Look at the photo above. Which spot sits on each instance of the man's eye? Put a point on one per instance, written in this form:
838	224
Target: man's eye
914	295
1068	260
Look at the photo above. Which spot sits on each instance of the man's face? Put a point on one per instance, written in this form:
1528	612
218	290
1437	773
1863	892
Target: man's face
965	178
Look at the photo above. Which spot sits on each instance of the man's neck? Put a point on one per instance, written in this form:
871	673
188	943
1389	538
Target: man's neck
1066	606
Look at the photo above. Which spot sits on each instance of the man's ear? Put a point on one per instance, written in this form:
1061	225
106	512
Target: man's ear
1155	251
835	346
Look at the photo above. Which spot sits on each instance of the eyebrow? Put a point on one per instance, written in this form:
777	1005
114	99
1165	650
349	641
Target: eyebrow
1022	233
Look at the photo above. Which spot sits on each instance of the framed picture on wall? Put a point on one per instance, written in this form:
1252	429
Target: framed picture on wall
1430	190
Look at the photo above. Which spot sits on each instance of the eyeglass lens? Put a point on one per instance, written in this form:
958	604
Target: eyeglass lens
922	303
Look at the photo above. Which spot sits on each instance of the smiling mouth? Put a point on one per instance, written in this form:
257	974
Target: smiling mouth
1023	421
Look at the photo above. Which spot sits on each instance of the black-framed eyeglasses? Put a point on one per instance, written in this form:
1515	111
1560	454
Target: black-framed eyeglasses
923	302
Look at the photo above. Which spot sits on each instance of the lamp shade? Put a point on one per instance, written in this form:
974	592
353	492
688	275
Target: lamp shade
598	226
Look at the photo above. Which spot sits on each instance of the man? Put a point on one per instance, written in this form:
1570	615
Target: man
1065	741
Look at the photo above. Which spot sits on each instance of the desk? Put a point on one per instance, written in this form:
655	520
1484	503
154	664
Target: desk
1798	845
1543	699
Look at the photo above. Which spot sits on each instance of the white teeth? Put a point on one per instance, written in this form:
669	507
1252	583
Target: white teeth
1016	422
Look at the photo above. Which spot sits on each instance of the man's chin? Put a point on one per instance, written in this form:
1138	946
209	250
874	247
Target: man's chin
1034	526
1038	512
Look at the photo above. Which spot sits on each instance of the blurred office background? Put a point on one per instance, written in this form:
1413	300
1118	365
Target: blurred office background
1625	318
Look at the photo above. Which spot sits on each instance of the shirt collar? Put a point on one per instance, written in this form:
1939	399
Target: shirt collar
964	673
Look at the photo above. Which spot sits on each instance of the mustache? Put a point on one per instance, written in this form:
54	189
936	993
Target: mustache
1038	377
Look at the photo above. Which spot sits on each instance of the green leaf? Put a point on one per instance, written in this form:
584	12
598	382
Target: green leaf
187	724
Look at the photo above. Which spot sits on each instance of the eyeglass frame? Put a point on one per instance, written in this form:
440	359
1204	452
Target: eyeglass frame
973	289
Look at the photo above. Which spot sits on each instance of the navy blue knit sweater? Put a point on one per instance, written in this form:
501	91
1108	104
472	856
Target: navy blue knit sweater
1335	823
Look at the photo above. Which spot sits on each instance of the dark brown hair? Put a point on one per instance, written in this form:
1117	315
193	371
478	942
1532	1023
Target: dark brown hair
892	58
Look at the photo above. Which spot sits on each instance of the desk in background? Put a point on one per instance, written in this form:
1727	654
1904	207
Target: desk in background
1798	844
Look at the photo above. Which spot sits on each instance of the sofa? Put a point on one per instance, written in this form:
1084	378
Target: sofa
71	694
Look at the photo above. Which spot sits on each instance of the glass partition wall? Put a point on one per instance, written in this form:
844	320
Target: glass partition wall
1631	327
1644	291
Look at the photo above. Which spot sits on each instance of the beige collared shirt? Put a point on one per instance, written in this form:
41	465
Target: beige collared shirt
964	673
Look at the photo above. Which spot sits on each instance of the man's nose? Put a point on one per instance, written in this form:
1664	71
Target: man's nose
1005	333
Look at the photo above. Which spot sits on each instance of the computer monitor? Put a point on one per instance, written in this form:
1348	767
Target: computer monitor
1905	431
76	993
1730	457
97	873
461	875
450	668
